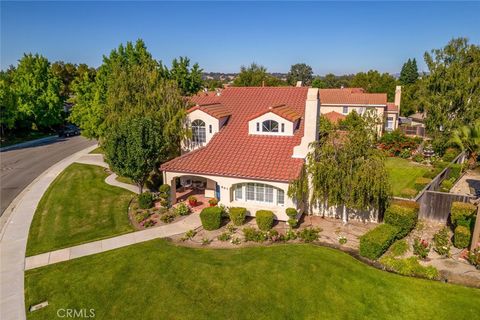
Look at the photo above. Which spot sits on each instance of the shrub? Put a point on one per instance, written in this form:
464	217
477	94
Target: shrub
291	213
141	215
399	248
461	237
431	174
149	223
409	267
168	217
441	243
206	241
450	154
421	248
237	215
376	241
290	235
403	214
418	157
474	257
251	234
309	234
342	240
225	236
421	182
264	219
154	181
408	193
183	209
211	218
455	171
145	200
164	189
189	235
292	222
405	153
213	201
461	211
446	185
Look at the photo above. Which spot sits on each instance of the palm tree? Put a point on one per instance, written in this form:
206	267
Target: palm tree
467	138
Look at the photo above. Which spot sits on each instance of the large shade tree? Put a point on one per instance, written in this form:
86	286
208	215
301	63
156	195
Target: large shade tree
255	75
188	79
375	82
300	72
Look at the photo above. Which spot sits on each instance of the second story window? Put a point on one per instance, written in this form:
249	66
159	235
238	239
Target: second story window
345	110
269	126
198	131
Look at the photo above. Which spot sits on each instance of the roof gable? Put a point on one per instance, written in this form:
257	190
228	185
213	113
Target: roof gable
281	110
216	110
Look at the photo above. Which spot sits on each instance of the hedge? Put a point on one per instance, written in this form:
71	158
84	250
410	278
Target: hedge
264	219
455	170
421	182
211	218
145	200
461	237
376	241
237	215
402	214
461	211
291	213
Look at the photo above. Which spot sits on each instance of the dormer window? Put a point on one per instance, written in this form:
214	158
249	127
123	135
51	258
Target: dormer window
198	132
269	126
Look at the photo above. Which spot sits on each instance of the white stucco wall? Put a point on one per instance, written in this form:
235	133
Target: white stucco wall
227	196
215	124
289	126
359	109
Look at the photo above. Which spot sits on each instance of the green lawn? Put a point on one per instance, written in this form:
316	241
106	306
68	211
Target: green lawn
78	207
403	173
158	280
98	150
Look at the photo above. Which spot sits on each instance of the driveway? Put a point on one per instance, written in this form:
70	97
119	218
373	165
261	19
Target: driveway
19	167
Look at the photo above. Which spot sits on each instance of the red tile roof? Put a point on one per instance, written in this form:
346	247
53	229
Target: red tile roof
281	110
392	107
216	110
351	96
334	117
233	152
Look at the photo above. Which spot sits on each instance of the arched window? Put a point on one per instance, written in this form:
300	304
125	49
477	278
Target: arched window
269	126
198	131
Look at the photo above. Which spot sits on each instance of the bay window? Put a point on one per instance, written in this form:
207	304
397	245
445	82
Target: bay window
258	193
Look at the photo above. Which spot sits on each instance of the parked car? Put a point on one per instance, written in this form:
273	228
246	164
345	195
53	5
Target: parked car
68	131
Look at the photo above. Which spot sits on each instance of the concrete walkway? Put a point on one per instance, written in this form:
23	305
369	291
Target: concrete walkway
182	226
14	236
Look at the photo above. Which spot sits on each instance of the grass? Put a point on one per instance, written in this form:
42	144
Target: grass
78	207
403	174
158	280
125	180
97	150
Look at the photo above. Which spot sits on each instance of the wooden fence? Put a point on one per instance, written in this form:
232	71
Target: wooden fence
435	205
418	131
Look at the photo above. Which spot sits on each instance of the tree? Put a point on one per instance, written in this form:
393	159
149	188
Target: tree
255	76
189	80
374	82
8	103
452	88
38	92
133	146
345	170
467	138
66	72
409	73
331	81
300	72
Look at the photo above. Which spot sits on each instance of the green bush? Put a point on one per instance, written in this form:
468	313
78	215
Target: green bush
441	242
455	171
164	189
154	181
403	214
376	241
251	234
450	154
421	182
431	173
409	267
418	157
408	193
264	219
225	236
399	248
291	213
447	184
461	237
237	215
292	222
211	218
309	234
461	211
145	200
183	209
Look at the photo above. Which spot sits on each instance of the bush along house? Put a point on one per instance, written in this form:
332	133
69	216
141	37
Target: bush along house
249	143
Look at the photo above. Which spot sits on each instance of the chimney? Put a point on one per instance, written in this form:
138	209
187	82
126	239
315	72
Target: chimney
398	97
310	125
299	84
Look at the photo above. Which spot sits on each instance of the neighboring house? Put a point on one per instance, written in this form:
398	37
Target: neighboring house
249	143
413	125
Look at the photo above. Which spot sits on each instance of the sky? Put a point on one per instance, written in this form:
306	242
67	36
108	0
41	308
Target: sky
336	37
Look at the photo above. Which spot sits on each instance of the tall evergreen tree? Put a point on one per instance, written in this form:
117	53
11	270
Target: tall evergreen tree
409	73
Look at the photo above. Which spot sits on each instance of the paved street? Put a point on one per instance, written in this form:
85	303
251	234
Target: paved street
20	167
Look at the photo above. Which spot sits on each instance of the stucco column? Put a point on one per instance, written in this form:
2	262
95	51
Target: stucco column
476	231
173	191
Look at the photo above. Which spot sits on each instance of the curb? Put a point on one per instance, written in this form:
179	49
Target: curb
28	143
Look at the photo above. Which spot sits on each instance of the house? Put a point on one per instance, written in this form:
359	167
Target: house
413	125
249	143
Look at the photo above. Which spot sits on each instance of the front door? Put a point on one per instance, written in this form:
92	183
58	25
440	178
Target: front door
217	192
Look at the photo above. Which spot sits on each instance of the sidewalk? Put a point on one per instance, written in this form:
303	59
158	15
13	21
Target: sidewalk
14	236
48	258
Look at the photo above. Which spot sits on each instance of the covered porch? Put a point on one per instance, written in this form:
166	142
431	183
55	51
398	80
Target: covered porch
203	189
